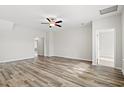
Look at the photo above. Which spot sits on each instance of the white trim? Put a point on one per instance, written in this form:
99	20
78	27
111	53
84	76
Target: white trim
72	58
105	30
16	59
94	63
123	72
97	36
108	59
123	66
118	68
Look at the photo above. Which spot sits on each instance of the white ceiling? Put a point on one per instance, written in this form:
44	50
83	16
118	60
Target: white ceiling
32	15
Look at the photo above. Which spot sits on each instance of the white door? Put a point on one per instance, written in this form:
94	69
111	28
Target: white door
105	48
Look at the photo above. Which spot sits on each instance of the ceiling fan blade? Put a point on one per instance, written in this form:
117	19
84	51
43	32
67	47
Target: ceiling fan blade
50	26
59	21
58	25
48	19
44	23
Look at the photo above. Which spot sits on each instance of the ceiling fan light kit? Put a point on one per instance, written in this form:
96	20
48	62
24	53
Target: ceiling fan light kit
52	22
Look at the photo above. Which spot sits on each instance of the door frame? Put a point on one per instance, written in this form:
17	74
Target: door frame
36	46
97	43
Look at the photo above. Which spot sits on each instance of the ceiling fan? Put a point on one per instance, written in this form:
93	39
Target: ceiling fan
52	22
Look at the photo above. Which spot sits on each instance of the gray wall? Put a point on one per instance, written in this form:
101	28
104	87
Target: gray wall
74	43
16	42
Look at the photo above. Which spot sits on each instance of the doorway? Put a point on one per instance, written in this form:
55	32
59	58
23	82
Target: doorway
106	47
39	46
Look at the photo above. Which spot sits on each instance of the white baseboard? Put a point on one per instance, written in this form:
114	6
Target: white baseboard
123	71
118	68
107	59
94	63
74	58
123	67
16	59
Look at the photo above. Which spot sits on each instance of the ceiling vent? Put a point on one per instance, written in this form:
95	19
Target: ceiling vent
109	10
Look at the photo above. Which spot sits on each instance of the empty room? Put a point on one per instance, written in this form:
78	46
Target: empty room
61	46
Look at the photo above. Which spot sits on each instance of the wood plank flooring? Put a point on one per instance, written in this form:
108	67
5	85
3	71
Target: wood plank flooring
58	72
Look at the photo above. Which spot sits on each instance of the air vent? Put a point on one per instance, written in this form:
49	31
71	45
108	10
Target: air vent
109	10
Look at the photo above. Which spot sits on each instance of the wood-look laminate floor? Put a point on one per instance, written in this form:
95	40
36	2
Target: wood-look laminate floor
58	72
